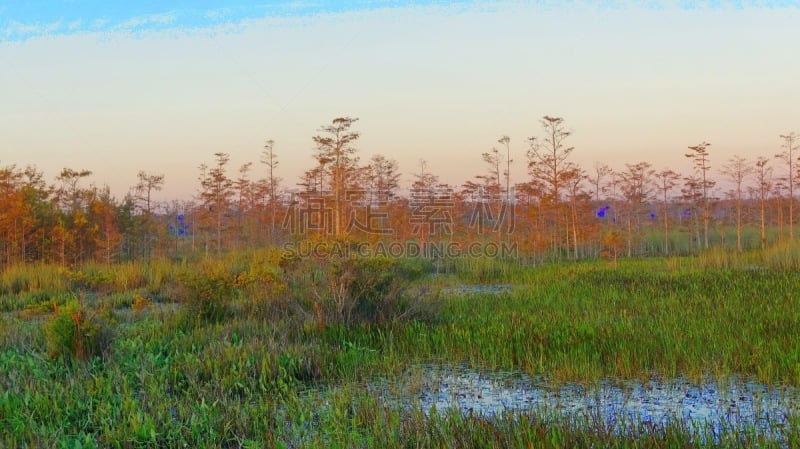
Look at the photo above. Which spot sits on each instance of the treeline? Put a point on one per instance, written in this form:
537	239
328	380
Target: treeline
560	210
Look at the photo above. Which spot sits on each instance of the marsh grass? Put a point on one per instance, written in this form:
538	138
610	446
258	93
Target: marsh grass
29	278
254	376
642	319
781	256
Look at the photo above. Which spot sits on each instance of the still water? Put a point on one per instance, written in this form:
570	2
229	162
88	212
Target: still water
708	408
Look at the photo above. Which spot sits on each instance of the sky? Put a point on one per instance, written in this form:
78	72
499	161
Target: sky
118	87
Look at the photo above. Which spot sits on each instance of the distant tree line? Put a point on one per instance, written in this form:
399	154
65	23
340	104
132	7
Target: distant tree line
555	209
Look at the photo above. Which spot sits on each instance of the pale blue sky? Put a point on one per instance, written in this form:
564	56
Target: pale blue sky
92	85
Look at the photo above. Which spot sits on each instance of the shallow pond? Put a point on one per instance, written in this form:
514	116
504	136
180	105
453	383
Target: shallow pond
467	289
708	408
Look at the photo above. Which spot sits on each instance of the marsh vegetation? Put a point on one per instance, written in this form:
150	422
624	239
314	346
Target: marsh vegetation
256	349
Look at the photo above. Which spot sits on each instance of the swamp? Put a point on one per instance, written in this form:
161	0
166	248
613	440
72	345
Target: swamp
257	349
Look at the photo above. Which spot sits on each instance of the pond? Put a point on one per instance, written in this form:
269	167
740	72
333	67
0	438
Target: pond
707	408
466	289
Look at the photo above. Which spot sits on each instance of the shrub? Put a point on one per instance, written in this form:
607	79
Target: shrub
141	303
88	278
366	290
72	332
207	294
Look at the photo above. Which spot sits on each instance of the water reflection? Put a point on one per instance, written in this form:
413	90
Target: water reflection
708	408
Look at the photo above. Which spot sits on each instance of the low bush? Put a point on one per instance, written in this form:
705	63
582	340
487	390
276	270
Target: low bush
207	293
74	333
359	290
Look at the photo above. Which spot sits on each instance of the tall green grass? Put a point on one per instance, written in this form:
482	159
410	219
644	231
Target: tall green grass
782	256
268	375
631	322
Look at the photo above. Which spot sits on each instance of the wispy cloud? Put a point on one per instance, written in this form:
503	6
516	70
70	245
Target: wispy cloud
217	14
21	21
18	30
147	22
75	25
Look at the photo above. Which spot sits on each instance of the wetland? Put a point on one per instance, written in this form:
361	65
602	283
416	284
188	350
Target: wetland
247	351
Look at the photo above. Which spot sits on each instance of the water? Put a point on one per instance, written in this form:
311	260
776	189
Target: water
708	408
466	289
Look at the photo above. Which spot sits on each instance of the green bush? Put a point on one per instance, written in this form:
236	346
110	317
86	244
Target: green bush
208	293
73	333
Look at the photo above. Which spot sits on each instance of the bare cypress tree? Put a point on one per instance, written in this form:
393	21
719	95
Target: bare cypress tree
270	160
667	179
636	189
384	177
244	203
547	164
699	156
738	169
217	192
506	141
68	193
790	144
144	189
507	207
764	185
336	151
573	184
692	195
600	172
492	182
423	196
492	187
